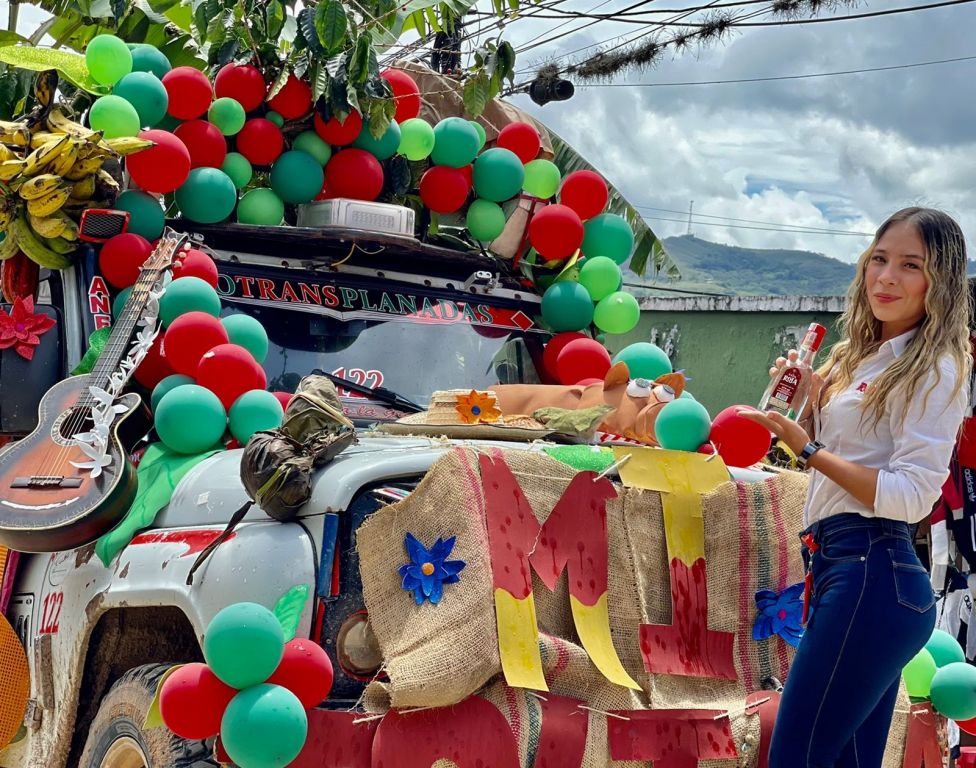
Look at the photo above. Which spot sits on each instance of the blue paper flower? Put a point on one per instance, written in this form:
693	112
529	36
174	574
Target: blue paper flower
429	569
780	614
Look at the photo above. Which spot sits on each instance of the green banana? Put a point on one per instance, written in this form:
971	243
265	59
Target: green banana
34	249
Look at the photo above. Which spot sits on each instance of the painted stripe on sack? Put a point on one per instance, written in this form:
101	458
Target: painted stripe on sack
514	716
746	601
764	575
783	580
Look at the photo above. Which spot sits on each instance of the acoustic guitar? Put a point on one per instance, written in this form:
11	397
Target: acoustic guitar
70	480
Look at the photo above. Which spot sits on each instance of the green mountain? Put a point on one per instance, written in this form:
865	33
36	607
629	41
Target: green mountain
717	268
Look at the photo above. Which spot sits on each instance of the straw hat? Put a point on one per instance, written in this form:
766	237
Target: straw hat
469	415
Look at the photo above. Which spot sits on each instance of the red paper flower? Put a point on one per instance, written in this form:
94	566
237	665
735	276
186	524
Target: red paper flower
22	329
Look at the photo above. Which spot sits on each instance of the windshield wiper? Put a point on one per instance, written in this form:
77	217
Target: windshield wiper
382	394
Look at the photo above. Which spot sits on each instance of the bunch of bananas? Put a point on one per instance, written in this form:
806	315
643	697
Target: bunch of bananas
51	169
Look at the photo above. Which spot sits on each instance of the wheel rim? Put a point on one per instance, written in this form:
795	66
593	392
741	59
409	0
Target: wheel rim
125	753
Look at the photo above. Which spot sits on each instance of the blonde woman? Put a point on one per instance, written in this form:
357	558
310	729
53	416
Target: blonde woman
886	409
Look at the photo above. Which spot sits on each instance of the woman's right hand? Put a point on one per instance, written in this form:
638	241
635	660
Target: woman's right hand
791	357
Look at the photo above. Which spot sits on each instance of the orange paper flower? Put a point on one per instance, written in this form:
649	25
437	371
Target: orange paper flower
477	408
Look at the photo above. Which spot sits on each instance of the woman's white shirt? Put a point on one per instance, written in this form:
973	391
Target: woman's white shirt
912	453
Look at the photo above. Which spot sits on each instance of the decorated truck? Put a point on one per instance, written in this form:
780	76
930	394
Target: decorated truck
395	503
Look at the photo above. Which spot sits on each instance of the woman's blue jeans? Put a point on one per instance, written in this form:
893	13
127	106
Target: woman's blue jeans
872	610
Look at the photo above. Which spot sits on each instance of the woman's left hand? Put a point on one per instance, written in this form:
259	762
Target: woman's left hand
785	429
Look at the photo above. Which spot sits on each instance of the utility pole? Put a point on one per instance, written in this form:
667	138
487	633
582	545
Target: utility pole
691	206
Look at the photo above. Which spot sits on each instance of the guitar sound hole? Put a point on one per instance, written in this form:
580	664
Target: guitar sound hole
74	421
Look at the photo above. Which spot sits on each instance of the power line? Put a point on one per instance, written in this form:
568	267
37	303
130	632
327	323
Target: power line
623	13
848	17
760	229
825	230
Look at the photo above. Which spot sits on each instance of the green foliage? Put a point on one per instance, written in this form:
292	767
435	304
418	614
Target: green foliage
494	64
289	609
70	65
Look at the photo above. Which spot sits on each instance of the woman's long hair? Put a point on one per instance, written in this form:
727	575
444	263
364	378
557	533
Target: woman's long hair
943	331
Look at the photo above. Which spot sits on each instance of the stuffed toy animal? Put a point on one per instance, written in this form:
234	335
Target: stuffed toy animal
629	406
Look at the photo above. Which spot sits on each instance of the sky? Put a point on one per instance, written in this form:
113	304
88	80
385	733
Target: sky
837	153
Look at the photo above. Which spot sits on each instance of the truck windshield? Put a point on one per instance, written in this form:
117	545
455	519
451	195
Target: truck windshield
408	342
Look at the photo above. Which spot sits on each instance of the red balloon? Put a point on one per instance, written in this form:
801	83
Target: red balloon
155	366
196	264
161	168
241	82
192	702
406	94
205	143
339	134
522	139
189	92
306	671
284	398
444	189
585	192
556	232
189	336
229	370
557	343
740	442
121	258
468	171
293	100
967	726
260	141
354	174
582	359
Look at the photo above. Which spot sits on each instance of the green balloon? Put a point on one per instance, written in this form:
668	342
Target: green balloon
144	92
682	425
311	142
644	360
600	276
416	139
108	59
120	301
382	148
297	177
114	116
247	332
918	674
542	179
485	220
262	207
617	313
275	118
456	143
145	212
188	294
608	235
148	58
567	306
953	690
944	648
207	196
228	115
498	175
190	419
482	136
264	727
254	411
238	169
165	386
243	644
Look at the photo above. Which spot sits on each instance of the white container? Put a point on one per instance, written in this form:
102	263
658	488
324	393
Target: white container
357	214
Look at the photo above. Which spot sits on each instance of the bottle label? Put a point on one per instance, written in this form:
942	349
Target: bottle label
785	390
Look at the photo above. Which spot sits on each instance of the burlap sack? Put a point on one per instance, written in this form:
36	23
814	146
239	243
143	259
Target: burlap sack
438	655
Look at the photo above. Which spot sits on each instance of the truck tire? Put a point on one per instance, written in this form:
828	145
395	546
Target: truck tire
116	738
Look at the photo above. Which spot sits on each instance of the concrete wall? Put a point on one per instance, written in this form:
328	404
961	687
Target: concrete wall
726	344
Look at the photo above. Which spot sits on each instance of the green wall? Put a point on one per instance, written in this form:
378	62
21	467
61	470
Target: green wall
727	354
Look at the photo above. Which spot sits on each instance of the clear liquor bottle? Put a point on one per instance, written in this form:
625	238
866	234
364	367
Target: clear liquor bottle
789	390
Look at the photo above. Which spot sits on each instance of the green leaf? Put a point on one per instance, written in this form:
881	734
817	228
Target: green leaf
10	38
475	94
289	29
352	96
306	26
227	52
274	12
432	21
331	25
278	84
70	65
319	81
506	61
289	609
200	20
378	120
217	29
398	175
359	63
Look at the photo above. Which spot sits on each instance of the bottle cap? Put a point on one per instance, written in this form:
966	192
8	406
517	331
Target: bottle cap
815	336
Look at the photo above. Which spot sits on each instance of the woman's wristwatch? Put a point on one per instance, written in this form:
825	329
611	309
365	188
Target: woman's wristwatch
808	450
